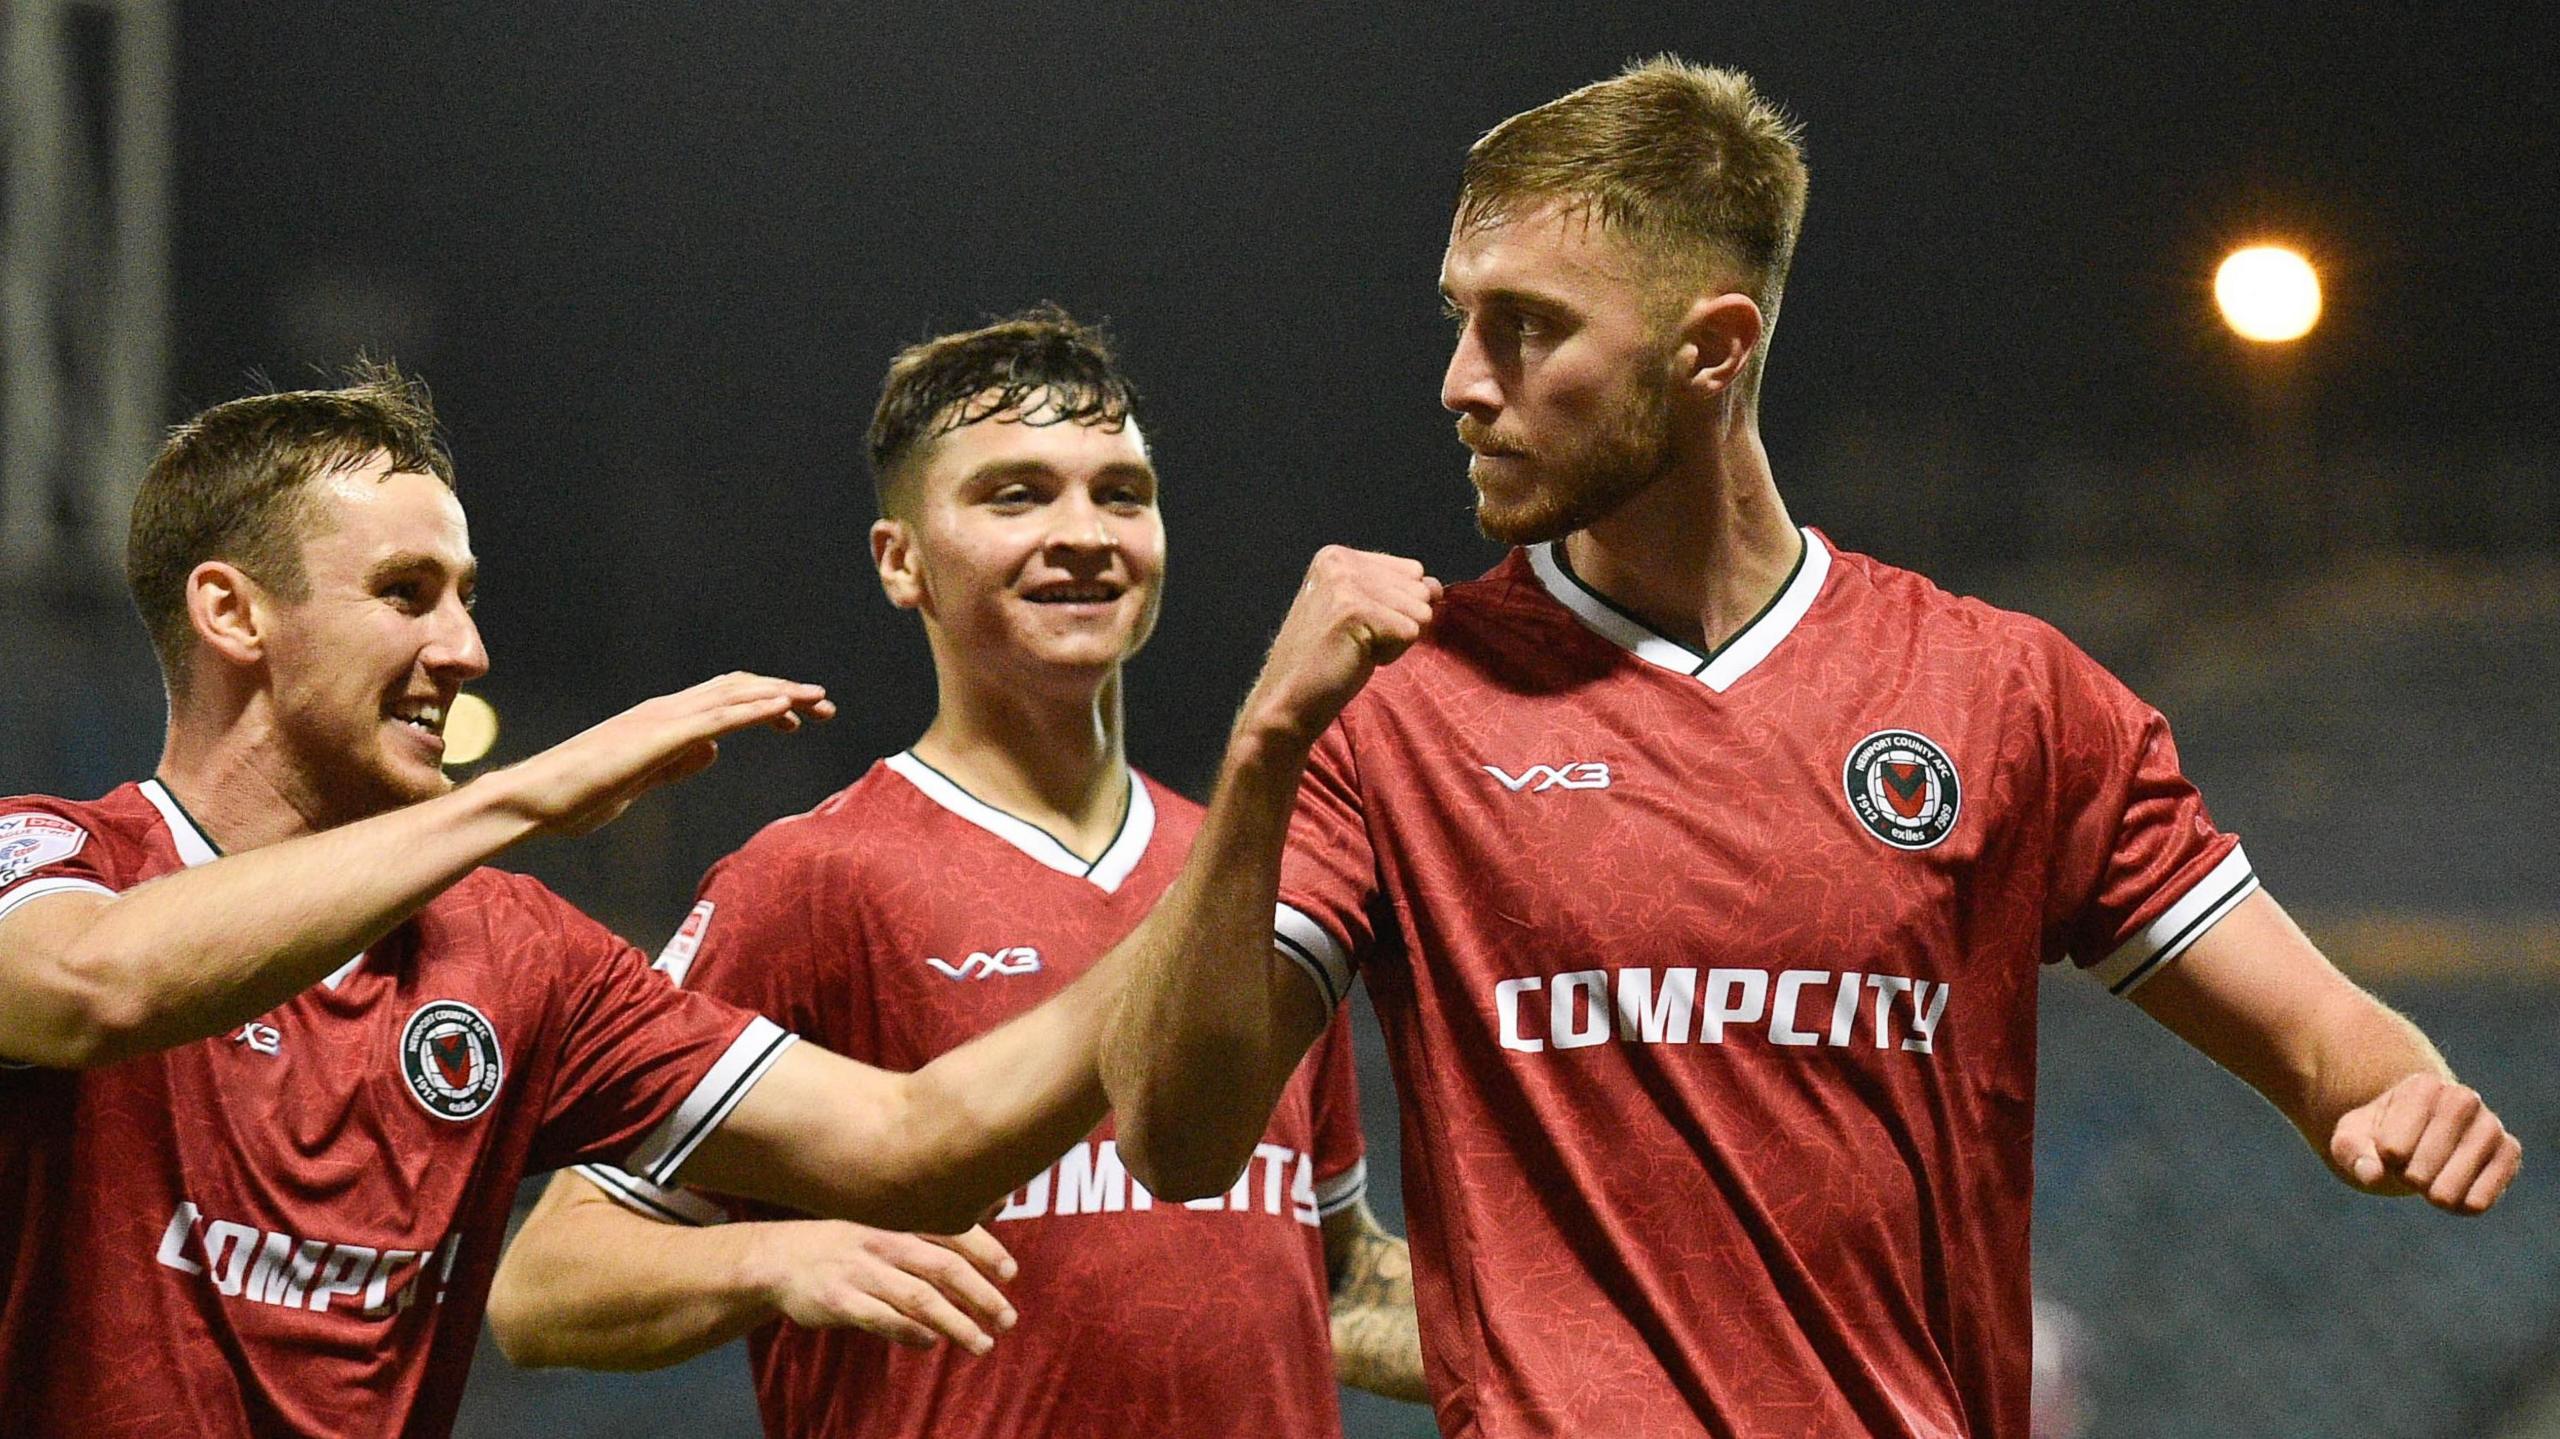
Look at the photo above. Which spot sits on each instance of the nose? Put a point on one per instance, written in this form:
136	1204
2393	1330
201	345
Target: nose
1469	387
1078	526
455	650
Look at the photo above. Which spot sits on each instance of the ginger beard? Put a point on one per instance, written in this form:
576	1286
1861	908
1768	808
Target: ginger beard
1528	493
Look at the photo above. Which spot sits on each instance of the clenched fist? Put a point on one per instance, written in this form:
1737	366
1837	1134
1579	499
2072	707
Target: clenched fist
1356	611
2430	1136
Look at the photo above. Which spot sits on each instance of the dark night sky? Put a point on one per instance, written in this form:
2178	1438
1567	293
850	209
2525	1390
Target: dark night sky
653	258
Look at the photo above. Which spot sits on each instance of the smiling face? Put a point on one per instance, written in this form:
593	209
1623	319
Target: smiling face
361	672
1563	377
1030	544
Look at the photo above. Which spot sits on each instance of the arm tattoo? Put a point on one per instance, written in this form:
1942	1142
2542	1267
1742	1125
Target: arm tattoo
1377	1342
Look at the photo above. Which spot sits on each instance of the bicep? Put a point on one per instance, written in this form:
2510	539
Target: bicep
572	1218
45	1008
814	1113
2251	993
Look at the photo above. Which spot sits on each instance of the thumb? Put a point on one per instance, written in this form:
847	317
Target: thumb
2352	1146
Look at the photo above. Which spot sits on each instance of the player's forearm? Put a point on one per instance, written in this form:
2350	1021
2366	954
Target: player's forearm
1196	1054
1377	1339
196	952
592	1286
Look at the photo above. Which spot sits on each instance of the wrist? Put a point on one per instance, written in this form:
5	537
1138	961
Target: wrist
1265	750
760	1270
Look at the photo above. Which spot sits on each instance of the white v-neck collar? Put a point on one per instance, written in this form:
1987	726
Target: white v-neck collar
195	849
1718	671
1137	825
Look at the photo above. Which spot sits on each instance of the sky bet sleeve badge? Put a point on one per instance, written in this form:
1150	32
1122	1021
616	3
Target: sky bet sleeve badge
1902	788
29	842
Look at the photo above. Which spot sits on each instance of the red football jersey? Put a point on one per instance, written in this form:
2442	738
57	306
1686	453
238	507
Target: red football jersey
904	917
1710	985
291	1229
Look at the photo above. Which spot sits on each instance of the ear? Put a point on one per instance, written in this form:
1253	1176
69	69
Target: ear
230	612
893	554
1718	337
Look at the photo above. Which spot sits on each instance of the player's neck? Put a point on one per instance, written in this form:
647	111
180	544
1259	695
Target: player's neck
230	774
1052	760
1699	553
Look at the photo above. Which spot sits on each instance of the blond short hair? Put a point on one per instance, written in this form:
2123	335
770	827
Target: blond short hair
1688	163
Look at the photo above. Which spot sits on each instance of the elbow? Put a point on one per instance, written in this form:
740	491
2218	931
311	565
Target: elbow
520	1341
1177	1171
532	1340
90	1019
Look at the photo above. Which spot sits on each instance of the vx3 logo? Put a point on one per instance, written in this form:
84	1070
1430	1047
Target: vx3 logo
1019	959
1538	778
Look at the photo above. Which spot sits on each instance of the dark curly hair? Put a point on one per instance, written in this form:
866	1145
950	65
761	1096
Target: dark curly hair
1042	355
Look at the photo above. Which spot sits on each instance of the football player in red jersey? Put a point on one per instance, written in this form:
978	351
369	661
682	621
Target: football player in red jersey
277	1050
955	885
1701	872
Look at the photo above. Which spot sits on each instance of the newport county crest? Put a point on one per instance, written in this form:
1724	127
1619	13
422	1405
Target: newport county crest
449	1055
1902	788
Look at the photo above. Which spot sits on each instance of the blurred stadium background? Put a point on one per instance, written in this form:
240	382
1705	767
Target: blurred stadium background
653	258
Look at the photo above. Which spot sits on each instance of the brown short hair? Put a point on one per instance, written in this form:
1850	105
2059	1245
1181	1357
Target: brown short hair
229	485
959	379
1688	162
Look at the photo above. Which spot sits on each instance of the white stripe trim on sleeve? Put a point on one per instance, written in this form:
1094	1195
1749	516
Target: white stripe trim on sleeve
650	1201
59	884
749	1055
1345	1189
2181	925
1308	946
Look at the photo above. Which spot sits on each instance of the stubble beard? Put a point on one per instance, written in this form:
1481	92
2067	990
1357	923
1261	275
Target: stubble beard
1588	478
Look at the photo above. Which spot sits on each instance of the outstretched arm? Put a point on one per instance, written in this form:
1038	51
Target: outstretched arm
928	1151
88	979
1377	1341
1212	1025
2369	1093
590	1284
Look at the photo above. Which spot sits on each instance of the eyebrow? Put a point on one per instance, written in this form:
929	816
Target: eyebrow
1034	469
409	562
1506	295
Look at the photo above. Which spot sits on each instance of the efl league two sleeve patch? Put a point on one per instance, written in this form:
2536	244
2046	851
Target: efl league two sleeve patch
29	842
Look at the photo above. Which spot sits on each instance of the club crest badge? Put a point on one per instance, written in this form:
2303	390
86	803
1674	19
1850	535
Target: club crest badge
449	1055
1903	788
29	842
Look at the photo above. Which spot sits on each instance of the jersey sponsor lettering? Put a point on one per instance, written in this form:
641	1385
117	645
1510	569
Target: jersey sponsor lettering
1802	1008
1539	778
29	842
990	964
265	1266
1090	1179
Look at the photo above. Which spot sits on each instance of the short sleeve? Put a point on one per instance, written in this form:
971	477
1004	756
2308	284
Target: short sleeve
1329	874
1341	1151
2140	871
45	851
752	939
643	1070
